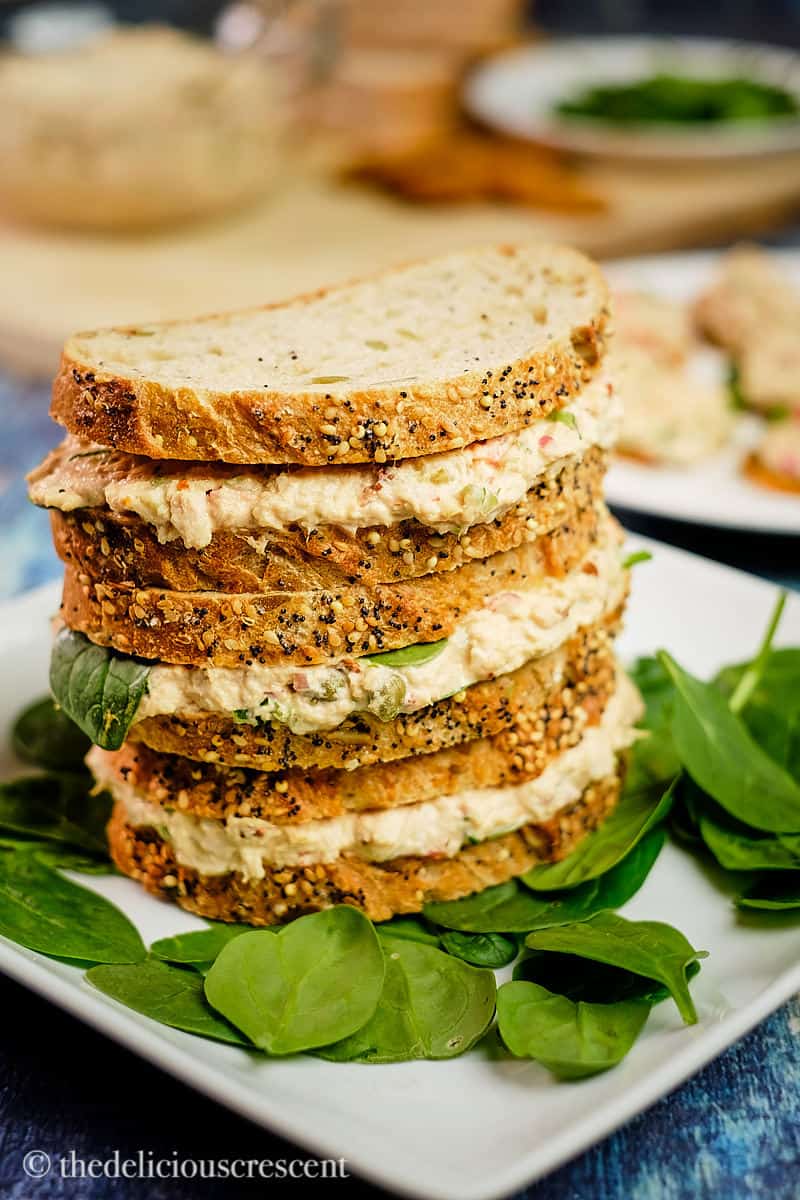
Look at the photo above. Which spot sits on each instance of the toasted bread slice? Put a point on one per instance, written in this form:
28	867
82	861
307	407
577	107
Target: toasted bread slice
111	547
427	357
585	661
217	792
310	627
381	890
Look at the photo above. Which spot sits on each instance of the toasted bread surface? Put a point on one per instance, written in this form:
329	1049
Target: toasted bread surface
309	627
480	711
381	890
112	547
427	357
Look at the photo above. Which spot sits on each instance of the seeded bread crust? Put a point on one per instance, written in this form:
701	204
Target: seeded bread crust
311	627
137	389
479	711
118	548
381	890
518	753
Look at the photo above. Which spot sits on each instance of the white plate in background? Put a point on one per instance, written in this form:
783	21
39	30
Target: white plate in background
471	1128
515	92
713	491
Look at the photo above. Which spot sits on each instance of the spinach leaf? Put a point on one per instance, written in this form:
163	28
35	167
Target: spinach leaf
772	892
167	994
431	1006
725	761
44	911
597	983
638	556
738	848
408	656
199	945
754	671
635	815
648	948
508	908
772	712
58	808
571	1040
314	982
43	734
653	759
411	928
97	688
492	950
69	860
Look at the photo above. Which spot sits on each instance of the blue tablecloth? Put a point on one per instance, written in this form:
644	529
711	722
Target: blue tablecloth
732	1133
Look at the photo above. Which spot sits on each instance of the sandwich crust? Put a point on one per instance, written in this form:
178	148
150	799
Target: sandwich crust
294	797
112	547
480	711
381	890
311	627
136	389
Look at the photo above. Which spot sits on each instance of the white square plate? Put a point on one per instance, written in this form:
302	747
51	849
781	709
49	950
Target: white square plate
475	1127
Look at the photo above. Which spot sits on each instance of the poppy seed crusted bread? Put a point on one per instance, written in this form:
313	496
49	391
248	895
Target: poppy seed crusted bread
428	357
353	556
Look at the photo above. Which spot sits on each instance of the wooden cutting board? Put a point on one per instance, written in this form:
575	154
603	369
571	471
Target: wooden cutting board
313	231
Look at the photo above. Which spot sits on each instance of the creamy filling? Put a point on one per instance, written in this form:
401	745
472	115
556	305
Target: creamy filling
436	828
512	628
447	492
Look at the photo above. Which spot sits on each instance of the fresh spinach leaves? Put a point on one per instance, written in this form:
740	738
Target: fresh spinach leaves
648	948
44	911
56	807
44	735
635	815
167	994
772	892
492	950
573	1040
98	689
199	945
431	1006
409	656
314	982
721	756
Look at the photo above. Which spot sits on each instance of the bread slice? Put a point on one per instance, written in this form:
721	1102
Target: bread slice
427	357
310	627
480	711
216	792
110	547
381	890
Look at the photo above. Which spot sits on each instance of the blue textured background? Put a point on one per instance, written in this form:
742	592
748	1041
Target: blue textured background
733	1132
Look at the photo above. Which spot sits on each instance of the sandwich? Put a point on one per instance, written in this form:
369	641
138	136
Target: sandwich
676	412
341	588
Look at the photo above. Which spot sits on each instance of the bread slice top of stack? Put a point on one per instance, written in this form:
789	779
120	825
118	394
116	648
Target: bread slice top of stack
426	358
353	549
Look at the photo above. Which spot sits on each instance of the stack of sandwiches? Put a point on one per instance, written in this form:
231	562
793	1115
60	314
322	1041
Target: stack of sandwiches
353	550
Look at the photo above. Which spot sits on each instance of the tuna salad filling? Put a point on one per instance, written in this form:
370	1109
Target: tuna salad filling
447	492
512	628
436	828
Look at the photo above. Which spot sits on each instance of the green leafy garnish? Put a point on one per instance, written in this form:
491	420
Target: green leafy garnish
431	1006
56	808
44	735
408	656
197	946
166	994
564	418
638	556
97	689
772	893
314	982
481	949
44	911
571	1040
648	948
719	753
682	100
